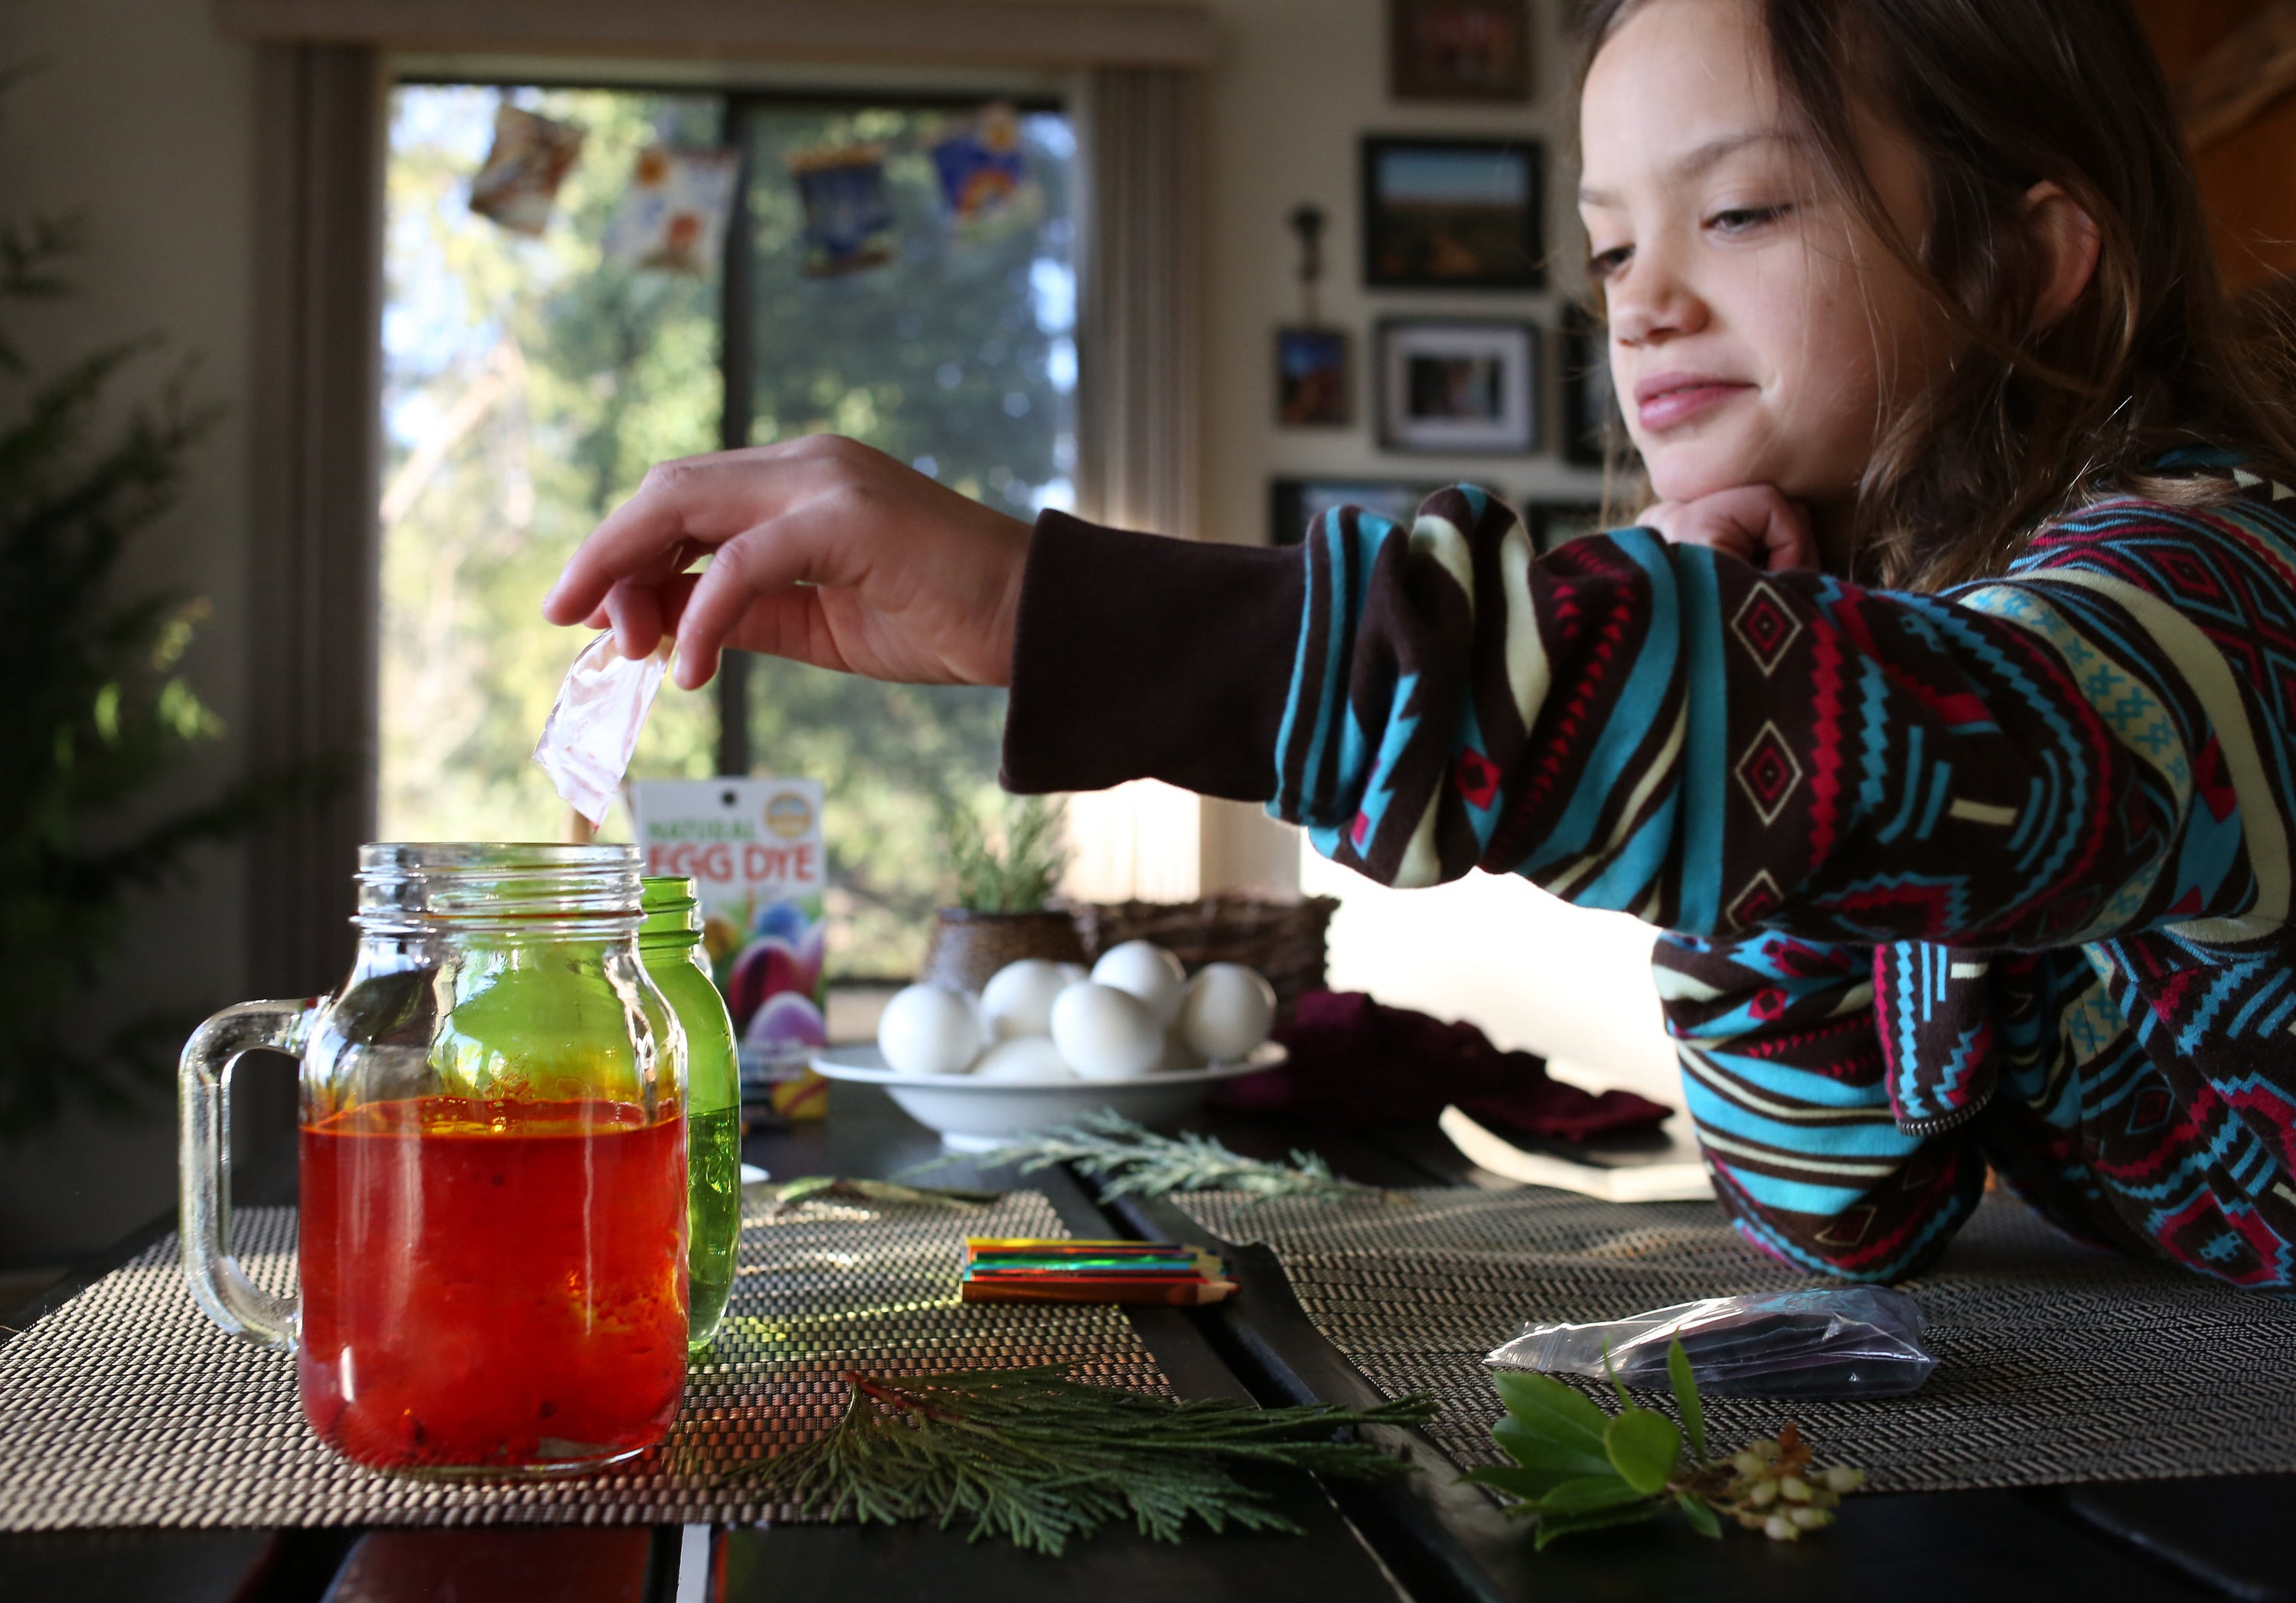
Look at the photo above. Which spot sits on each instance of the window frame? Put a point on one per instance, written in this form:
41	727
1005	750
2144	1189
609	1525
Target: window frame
320	87
737	330
737	344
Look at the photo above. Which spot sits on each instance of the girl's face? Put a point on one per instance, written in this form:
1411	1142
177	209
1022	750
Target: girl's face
1759	331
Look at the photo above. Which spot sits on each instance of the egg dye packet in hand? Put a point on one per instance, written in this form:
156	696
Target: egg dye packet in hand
593	728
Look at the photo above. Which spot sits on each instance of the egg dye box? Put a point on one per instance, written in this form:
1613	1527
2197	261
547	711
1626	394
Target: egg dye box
753	849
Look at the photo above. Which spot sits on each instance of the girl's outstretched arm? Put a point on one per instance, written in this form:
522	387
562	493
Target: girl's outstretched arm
2061	756
1853	802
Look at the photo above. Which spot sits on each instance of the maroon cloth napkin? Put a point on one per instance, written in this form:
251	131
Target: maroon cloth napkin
1356	1062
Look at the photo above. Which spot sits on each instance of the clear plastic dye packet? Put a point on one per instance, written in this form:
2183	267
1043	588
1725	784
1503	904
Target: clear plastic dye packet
592	726
1859	1341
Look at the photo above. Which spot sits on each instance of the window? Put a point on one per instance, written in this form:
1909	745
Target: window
528	383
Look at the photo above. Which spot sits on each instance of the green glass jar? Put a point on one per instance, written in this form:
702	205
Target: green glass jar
670	946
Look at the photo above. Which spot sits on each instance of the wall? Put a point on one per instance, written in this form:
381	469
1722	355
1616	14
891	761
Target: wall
136	118
1300	81
2244	176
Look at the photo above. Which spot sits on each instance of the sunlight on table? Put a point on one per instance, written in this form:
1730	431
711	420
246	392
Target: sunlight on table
1530	970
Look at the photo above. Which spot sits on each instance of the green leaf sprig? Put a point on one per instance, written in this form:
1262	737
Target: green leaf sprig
1042	1460
1134	1161
1578	1469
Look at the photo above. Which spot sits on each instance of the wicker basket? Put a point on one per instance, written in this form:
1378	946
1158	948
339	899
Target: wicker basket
968	948
1281	936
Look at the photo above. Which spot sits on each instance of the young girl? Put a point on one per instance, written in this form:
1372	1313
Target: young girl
1983	859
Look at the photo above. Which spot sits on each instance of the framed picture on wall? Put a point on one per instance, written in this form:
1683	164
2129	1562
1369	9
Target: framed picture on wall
1294	503
1457	386
1552	523
1458	50
1313	385
1453	214
1589	405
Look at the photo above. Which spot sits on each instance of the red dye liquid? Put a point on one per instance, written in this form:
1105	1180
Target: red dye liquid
492	1285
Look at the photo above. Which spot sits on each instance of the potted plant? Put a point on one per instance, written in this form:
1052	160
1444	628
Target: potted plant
1002	885
95	807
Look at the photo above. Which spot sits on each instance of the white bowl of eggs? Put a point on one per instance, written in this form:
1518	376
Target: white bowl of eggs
1043	1043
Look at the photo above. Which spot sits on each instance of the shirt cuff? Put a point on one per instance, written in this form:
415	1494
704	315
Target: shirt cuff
1137	656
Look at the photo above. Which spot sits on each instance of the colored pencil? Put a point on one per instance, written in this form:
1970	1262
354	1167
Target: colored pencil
1190	1294
1022	1270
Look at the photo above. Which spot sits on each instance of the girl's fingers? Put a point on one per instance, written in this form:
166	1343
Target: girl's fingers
635	613
641	611
1789	545
682	509
672	599
640	614
754	565
1785	535
1754	522
792	625
1711	523
645	532
1786	555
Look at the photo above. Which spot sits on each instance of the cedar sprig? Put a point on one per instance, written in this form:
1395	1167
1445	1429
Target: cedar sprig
1134	1161
1042	1460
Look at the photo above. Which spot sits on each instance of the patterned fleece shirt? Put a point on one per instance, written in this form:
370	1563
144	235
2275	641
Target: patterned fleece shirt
1995	876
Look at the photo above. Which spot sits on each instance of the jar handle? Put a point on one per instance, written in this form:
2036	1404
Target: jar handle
218	1285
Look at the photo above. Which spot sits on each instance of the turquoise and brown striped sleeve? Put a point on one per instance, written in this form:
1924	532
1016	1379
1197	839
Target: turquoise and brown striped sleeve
1933	860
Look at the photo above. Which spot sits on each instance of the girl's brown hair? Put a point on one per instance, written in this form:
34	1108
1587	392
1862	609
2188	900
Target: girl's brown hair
1998	96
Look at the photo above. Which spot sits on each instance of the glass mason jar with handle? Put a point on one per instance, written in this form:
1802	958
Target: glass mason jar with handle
671	945
493	1187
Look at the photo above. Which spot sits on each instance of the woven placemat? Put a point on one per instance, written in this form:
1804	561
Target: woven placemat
2057	1364
126	1407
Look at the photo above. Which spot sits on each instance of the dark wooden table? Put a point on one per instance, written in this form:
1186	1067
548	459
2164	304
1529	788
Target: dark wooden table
1429	1541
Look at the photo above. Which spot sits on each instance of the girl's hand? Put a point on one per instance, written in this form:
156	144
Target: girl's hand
821	550
1753	522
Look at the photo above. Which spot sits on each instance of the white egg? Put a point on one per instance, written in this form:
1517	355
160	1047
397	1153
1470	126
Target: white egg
1023	1057
930	1030
1177	1055
1018	1000
1072	974
1228	1010
1148	972
1105	1033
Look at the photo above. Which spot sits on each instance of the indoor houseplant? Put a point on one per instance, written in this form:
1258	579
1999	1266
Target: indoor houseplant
98	716
1003	882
